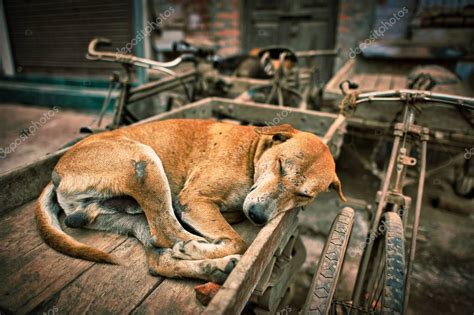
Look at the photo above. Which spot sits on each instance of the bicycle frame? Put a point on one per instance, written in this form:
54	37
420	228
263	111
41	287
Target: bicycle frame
391	197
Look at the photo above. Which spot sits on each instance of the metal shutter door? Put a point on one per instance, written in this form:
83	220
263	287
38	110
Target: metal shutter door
52	36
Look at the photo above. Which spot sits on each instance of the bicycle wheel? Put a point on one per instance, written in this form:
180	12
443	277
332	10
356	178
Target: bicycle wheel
325	279
385	278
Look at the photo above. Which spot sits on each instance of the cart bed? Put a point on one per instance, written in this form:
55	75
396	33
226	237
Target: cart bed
38	279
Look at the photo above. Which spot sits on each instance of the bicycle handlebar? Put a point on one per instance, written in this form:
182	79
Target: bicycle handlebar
416	95
94	54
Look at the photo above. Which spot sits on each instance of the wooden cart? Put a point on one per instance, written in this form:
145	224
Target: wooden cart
37	279
450	130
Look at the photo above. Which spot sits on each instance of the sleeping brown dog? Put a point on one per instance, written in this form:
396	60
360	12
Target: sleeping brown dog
177	185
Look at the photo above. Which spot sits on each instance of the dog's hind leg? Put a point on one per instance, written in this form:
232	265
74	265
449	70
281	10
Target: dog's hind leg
134	225
150	188
134	171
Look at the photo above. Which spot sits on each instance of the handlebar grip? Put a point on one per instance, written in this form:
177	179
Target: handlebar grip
92	53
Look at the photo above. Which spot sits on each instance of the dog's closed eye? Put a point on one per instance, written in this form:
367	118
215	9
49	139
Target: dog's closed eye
280	168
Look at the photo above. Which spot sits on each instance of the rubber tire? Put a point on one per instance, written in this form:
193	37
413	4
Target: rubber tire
394	280
325	279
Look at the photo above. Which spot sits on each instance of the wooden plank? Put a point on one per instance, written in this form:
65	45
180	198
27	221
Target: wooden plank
272	296
346	72
172	297
23	184
288	251
269	115
291	230
200	109
366	82
398	82
383	82
262	114
14	244
30	276
106	288
262	285
240	284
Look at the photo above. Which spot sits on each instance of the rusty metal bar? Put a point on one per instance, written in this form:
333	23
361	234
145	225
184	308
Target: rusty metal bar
340	120
375	222
416	223
166	84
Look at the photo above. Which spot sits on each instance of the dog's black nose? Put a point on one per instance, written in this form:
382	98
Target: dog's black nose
257	215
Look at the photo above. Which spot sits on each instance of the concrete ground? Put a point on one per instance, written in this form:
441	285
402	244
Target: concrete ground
28	132
443	276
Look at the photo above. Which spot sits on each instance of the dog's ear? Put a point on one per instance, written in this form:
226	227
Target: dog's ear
337	186
272	135
279	133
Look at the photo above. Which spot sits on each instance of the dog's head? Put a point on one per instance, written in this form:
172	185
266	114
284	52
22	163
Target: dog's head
291	169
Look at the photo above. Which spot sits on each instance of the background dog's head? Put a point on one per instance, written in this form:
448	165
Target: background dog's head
291	169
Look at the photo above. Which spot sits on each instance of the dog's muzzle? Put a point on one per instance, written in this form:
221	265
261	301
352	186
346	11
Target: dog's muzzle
257	215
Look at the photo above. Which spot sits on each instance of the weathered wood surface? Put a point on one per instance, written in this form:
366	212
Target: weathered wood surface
256	113
276	267
236	291
273	295
262	285
23	184
107	288
384	82
173	297
18	234
37	279
199	110
39	272
269	115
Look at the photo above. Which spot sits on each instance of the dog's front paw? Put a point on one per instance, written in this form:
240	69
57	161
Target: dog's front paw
219	269
191	250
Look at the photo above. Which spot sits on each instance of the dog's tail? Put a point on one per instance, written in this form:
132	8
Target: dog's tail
47	210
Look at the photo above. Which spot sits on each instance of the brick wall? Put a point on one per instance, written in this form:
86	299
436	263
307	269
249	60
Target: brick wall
226	26
215	21
354	23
